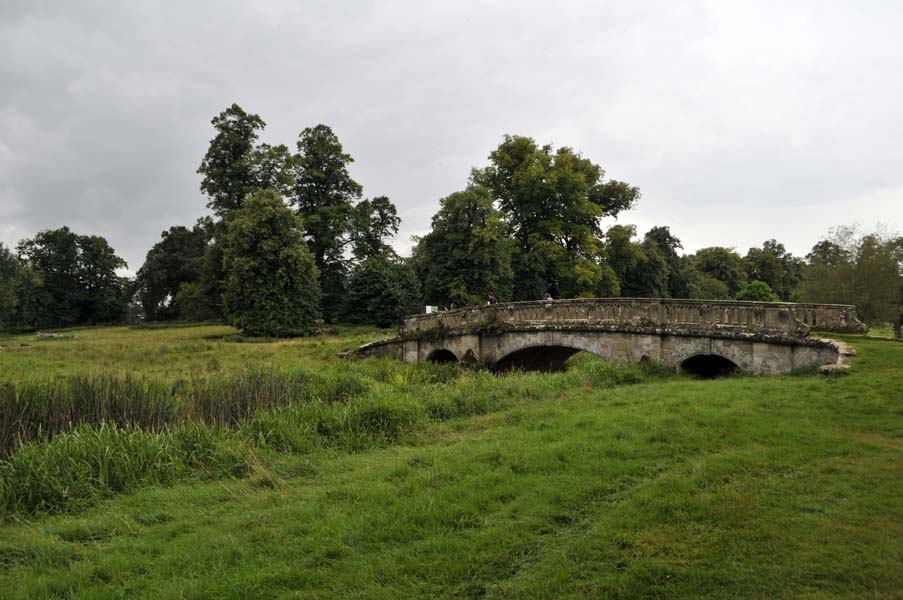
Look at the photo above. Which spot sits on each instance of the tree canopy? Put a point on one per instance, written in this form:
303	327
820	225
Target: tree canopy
865	270
552	202
271	286
174	261
381	290
72	280
466	255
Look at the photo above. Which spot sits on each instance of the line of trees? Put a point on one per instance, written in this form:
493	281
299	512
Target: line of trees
291	240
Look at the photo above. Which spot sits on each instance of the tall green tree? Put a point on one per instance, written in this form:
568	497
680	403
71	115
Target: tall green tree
271	286
723	264
666	245
381	290
11	273
372	223
641	269
324	197
76	275
553	202
174	261
466	255
229	173
772	264
764	266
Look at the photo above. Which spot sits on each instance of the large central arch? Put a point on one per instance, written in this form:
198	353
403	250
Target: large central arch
536	358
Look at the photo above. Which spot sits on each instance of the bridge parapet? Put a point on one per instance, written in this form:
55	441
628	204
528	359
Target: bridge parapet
724	319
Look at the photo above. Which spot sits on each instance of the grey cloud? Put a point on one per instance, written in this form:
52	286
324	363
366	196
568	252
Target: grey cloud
738	123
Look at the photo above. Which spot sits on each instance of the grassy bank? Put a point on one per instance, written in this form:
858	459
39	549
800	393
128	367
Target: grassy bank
599	482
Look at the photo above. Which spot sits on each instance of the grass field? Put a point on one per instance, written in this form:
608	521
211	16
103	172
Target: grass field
419	481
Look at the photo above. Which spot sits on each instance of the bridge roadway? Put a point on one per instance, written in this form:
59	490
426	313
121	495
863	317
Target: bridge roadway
705	336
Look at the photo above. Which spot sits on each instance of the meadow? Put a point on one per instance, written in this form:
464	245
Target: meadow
188	462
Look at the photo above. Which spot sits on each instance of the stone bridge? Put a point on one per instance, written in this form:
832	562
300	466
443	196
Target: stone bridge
701	336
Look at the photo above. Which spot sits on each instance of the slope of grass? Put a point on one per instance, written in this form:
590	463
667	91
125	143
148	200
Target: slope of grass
562	485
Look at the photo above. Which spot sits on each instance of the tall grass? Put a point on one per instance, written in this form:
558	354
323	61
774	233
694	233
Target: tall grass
39	410
69	441
87	463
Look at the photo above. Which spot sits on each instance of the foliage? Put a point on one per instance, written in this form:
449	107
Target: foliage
708	288
757	291
174	261
271	284
324	195
381	290
11	274
640	267
775	266
666	245
72	280
234	167
466	255
722	264
371	223
553	202
865	270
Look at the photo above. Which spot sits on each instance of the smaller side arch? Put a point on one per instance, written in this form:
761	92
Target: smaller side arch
442	356
708	366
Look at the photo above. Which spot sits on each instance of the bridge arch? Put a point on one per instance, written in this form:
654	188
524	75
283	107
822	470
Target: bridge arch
708	366
442	356
536	358
550	350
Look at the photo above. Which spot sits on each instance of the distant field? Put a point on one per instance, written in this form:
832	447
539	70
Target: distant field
168	352
384	480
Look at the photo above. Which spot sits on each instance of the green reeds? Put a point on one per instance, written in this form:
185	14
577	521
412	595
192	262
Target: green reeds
40	410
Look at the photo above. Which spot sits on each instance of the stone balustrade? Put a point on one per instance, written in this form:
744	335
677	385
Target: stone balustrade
716	318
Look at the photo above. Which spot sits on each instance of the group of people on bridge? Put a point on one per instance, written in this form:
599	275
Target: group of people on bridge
492	300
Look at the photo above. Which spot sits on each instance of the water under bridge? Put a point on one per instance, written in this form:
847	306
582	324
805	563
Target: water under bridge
707	337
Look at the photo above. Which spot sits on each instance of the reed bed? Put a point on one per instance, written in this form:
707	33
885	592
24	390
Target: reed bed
70	441
40	410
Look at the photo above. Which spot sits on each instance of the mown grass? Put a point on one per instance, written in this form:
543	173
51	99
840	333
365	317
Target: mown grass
533	486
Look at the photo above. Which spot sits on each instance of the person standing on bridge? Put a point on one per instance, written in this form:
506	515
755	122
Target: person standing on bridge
548	299
492	300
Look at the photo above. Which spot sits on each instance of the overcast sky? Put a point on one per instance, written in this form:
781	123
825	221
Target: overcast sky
739	121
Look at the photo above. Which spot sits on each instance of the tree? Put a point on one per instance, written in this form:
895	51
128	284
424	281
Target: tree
371	223
708	288
324	196
77	278
173	261
466	254
106	295
793	269
722	264
772	264
757	291
552	202
11	273
667	245
865	270
381	290
640	268
765	267
271	284
230	175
